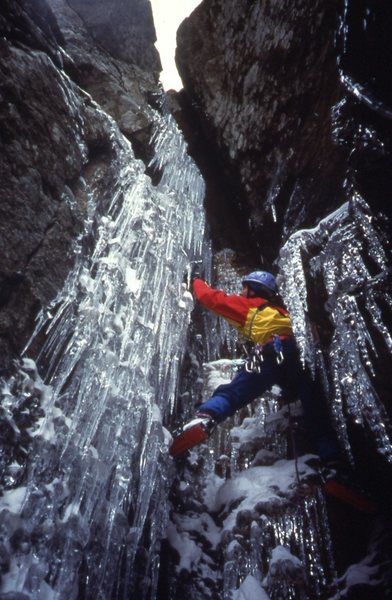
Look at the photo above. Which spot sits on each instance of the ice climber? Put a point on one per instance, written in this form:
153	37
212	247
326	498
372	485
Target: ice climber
258	313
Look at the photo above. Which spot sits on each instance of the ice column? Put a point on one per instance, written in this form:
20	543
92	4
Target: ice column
346	253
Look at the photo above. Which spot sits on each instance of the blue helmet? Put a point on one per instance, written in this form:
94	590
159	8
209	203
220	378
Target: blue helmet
261	280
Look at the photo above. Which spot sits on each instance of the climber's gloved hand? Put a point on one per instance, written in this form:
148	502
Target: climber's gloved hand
196	271
192	272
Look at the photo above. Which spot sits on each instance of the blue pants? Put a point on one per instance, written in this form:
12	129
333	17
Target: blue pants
290	374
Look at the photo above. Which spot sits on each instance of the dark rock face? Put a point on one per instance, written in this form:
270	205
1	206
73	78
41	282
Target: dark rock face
31	23
269	114
37	204
56	146
110	54
124	28
263	79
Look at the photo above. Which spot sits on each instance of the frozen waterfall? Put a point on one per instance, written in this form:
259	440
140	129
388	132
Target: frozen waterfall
85	501
346	254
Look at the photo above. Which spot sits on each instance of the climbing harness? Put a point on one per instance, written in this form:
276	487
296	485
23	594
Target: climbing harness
254	360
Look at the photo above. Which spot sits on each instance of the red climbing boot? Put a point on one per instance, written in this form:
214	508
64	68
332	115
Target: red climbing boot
193	433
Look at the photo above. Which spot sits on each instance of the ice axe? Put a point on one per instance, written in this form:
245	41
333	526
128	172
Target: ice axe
194	271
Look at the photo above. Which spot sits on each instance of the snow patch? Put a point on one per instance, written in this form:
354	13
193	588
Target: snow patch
188	551
250	589
269	485
12	500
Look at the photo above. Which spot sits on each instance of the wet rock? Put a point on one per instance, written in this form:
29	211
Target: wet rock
20	541
266	82
57	149
111	55
262	83
4	559
31	24
244	518
284	570
39	220
125	29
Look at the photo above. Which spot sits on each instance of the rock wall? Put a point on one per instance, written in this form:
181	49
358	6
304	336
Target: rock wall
111	54
264	80
56	143
124	29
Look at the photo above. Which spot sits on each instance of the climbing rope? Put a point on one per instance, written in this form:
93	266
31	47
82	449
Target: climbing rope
293	444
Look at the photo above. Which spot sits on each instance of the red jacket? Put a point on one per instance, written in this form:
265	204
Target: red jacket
256	325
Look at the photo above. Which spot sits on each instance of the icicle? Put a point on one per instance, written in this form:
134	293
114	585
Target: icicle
115	337
338	252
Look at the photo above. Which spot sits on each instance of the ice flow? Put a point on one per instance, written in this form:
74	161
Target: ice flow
89	501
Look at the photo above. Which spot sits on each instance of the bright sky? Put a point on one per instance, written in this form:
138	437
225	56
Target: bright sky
168	14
